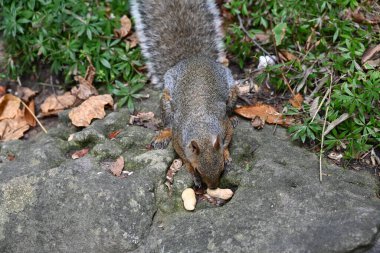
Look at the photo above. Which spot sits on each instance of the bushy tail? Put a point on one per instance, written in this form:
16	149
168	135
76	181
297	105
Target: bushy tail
172	30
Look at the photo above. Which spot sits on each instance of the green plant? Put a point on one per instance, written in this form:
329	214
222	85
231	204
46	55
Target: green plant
328	46
127	93
67	34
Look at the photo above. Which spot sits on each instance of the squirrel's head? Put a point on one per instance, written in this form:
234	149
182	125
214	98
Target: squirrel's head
207	160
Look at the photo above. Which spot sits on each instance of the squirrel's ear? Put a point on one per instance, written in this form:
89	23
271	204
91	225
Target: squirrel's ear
216	141
194	147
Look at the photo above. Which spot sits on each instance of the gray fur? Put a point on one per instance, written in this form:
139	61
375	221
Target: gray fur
173	30
204	101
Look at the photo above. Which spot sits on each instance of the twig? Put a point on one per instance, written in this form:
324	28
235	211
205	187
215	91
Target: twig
19	81
288	84
323	130
320	105
249	36
34	116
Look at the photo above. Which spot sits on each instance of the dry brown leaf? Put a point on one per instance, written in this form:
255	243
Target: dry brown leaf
125	28
359	17
80	153
296	101
114	134
263	38
86	88
117	167
173	169
9	106
265	112
84	91
11	157
13	129
92	108
309	40
145	119
244	89
54	104
132	40
257	123
370	53
30	119
25	93
145	116
3	90
287	56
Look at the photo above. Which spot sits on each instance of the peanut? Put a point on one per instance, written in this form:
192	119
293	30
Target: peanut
189	200
220	193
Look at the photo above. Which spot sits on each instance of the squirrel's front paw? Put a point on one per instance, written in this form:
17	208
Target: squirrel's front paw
162	139
234	121
227	157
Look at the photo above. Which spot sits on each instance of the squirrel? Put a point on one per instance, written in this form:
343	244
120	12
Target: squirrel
182	42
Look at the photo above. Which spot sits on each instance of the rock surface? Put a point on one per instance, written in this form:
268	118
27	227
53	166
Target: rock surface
51	203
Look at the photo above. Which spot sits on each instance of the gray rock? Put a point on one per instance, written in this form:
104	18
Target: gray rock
279	206
51	203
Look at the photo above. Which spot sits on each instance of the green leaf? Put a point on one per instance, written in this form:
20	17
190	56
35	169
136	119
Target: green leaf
279	32
105	63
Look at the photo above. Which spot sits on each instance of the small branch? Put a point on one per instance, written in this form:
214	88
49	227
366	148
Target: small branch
288	84
19	81
34	116
249	36
323	130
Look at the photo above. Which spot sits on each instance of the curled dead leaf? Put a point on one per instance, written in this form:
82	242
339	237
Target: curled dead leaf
11	157
296	101
86	88
132	40
287	56
145	119
3	90
13	129
173	169
125	28
360	16
257	123
263	38
92	108
244	89
114	134
30	114
80	153
117	167
371	54
9	106
25	93
54	104
266	112
84	91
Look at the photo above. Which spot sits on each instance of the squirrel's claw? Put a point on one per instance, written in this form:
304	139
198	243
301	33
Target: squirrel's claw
162	139
227	157
234	121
